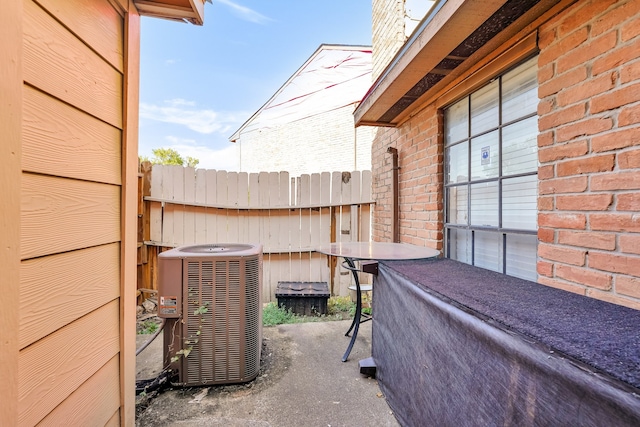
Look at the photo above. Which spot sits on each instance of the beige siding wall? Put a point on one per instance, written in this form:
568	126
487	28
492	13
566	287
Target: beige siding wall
70	234
325	142
10	148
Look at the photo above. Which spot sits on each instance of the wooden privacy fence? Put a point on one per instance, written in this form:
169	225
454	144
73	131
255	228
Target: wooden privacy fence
290	217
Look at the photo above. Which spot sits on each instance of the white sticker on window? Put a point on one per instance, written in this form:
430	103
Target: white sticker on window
485	156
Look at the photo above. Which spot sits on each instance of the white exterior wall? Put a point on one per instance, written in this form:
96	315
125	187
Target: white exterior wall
388	32
393	23
325	142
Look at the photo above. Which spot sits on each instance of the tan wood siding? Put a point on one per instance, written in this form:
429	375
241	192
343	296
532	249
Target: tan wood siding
129	218
114	421
121	6
60	64
63	141
10	148
54	367
76	365
58	289
61	215
97	23
93	403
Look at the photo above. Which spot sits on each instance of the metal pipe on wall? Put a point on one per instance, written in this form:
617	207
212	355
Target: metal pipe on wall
395	193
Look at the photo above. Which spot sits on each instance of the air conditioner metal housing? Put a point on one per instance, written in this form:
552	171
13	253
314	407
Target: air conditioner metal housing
211	298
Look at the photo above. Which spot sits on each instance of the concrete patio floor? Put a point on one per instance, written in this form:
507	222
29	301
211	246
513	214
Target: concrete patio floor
302	382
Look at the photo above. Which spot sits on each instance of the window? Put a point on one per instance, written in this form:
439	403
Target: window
491	181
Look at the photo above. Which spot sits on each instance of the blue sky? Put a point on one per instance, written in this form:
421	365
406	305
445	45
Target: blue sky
200	84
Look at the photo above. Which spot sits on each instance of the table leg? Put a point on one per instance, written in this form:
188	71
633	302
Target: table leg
355	325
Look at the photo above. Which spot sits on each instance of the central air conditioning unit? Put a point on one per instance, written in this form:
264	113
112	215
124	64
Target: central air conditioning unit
211	298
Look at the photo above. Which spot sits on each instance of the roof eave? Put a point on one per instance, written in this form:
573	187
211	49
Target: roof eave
181	10
427	61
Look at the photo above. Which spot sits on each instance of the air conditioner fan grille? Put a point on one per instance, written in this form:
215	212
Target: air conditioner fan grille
223	315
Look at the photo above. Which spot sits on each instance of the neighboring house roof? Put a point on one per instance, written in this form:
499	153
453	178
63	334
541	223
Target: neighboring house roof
333	77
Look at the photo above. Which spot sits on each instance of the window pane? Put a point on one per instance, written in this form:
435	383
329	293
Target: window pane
457	204
484	156
484	108
484	204
490	137
520	147
519	202
460	245
521	256
487	248
520	91
456	121
457	159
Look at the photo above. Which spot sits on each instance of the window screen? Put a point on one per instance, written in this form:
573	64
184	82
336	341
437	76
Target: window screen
491	164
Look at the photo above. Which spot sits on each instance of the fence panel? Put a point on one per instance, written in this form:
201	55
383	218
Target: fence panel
167	215
305	227
325	226
282	217
222	184
233	215
155	208
289	216
189	215
211	220
178	211
243	204
338	271
315	228
271	227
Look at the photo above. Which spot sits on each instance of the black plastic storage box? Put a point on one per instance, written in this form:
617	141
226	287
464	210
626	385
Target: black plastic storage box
303	298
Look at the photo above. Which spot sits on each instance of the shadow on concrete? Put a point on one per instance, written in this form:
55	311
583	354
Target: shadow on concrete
302	382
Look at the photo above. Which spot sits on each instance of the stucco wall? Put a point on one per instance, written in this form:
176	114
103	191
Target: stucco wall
324	142
589	175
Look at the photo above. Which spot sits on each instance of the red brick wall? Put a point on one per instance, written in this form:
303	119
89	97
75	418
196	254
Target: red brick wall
388	37
589	151
381	170
420	157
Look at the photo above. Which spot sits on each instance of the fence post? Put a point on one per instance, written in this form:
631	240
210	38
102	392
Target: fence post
144	185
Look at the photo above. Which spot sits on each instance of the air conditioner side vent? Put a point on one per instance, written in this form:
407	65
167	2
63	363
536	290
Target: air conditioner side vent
254	323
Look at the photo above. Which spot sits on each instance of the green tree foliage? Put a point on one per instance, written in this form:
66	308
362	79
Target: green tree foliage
169	156
192	162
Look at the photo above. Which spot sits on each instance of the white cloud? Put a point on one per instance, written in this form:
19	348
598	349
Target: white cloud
222	159
186	113
245	13
178	102
174	140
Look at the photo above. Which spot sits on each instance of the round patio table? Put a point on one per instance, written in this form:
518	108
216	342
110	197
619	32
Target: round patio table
371	251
